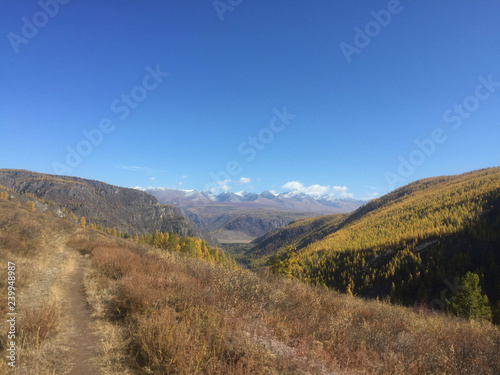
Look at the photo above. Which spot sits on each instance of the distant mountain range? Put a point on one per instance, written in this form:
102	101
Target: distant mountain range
290	201
244	216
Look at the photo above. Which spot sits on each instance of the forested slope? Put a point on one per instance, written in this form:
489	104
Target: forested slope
410	243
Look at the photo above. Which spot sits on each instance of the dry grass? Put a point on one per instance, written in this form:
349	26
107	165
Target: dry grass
184	316
32	240
113	355
37	325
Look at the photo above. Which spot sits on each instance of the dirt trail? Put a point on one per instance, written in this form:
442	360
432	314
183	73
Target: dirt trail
62	281
81	342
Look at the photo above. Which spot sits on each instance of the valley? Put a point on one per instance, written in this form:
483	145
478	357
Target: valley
373	291
242	217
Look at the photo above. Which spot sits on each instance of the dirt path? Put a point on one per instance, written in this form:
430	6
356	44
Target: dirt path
82	343
61	280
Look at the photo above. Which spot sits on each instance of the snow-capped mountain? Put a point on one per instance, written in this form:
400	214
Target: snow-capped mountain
243	216
290	201
179	197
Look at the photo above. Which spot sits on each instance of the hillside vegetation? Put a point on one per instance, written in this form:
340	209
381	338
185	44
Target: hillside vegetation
180	315
161	310
298	234
409	244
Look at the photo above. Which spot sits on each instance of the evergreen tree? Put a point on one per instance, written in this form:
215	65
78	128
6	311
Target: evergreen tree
470	302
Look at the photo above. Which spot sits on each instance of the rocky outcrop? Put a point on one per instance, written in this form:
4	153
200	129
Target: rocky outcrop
128	210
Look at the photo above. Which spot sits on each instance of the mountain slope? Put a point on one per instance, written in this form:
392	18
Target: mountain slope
159	312
409	242
299	234
128	210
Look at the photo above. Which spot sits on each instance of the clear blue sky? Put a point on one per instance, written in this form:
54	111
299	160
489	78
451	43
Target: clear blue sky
355	103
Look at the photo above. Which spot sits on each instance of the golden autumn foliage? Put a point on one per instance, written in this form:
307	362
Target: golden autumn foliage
416	237
192	246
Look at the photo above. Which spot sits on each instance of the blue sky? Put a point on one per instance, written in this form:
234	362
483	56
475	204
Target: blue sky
339	97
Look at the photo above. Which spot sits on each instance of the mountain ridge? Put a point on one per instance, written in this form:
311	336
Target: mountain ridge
319	203
128	210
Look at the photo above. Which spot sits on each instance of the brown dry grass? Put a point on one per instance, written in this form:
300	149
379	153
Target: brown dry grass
31	240
37	324
183	316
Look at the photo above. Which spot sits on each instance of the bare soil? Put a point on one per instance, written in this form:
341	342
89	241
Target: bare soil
60	280
82	344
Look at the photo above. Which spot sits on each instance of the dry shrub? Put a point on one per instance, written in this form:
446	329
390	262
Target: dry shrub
89	240
173	329
37	325
186	316
115	262
195	340
20	234
137	294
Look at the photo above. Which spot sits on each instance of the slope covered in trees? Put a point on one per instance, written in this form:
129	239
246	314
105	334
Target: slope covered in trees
298	234
410	244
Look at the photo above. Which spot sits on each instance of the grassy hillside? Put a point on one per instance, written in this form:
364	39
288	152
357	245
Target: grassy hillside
172	314
409	243
156	311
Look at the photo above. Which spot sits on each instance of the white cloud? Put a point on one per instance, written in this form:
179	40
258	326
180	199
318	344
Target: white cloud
152	178
317	190
224	185
184	176
244	180
339	189
293	185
